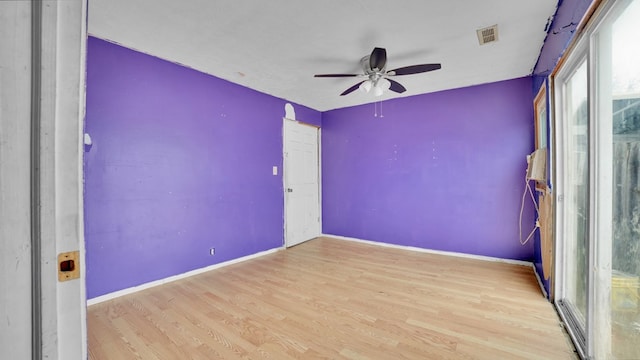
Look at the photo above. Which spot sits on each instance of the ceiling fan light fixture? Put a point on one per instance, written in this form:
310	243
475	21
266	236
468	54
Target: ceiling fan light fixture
366	86
380	86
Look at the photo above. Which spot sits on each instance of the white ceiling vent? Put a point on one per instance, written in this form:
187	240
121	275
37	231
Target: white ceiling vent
488	34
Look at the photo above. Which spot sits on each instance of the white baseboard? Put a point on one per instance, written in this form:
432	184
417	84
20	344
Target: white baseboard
447	253
544	292
429	251
169	279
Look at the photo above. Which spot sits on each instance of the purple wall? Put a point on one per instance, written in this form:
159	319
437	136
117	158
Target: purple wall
560	33
181	161
441	171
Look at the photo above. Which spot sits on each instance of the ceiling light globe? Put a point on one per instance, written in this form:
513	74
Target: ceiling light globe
366	86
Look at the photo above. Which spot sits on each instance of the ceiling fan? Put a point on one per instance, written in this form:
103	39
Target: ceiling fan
375	69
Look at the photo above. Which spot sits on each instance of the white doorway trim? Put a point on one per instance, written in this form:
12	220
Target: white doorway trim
43	114
316	231
62	97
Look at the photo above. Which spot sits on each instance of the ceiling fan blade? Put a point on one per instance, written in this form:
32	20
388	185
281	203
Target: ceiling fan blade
351	89
335	75
396	87
414	69
378	59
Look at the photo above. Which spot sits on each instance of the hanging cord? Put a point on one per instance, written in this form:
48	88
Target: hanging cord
535	204
375	109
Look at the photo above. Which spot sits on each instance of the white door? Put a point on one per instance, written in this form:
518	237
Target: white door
301	182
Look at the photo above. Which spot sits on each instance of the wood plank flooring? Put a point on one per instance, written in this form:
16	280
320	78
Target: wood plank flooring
336	299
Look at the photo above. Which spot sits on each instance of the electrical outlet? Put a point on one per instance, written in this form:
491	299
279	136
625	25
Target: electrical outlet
212	251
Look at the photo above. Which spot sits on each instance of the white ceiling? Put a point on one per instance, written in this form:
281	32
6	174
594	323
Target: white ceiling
277	46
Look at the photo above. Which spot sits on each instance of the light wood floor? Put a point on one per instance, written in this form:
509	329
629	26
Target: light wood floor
336	299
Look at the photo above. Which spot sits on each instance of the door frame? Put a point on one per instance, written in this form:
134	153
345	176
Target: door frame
59	151
55	55
586	46
580	336
284	177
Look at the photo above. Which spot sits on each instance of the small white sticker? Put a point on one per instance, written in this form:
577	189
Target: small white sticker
87	139
275	170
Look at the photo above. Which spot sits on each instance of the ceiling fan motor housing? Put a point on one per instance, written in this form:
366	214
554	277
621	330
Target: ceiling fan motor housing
366	67
374	76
